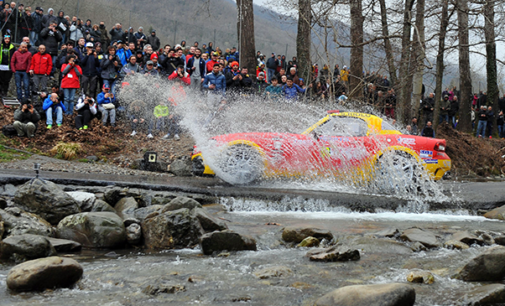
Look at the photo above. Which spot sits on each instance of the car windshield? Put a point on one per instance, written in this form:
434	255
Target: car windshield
342	126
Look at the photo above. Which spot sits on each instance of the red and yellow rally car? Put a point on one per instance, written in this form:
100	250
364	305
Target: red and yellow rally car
348	146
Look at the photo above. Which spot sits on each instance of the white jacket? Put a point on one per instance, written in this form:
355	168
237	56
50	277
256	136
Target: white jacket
80	104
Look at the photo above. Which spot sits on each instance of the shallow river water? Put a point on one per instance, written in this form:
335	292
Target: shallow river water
118	277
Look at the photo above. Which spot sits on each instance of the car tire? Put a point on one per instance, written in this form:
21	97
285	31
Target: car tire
398	171
197	166
240	165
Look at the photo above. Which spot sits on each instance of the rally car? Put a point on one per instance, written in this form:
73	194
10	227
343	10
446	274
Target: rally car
343	145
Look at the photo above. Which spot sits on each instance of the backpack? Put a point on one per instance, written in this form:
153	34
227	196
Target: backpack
9	130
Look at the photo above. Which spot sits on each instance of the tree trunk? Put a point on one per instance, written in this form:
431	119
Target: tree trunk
304	40
444	23
387	44
247	46
356	75
403	105
492	77
419	56
465	121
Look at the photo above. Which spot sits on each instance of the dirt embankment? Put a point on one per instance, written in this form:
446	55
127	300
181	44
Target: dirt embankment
473	156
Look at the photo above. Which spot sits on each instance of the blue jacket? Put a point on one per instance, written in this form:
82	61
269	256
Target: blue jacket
100	99
292	93
216	79
202	66
49	104
123	55
90	65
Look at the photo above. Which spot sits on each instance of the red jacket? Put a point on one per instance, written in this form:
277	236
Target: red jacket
185	79
71	77
21	61
210	66
41	63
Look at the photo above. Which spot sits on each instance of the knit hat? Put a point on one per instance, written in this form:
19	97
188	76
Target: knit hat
235	63
154	55
261	74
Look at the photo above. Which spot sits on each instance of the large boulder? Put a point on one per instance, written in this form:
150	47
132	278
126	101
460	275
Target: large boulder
181	202
133	234
428	239
143	212
226	241
370	295
93	229
181	167
488	266
112	195
466	238
497	213
45	199
26	247
171	229
297	234
101	206
125	208
19	222
208	222
493	294
44	273
335	253
85	200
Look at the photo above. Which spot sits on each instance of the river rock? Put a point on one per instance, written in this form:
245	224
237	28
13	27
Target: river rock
208	222
455	244
370	295
500	240
133	234
428	239
112	195
488	266
101	206
181	202
309	242
8	190
226	240
64	245
125	208
2	230
418	247
379	245
3	203
143	212
181	167
44	273
45	199
85	200
297	234
172	229
26	247
497	213
19	222
335	253
277	271
93	229
493	294
466	238
420	276
388	232
163	286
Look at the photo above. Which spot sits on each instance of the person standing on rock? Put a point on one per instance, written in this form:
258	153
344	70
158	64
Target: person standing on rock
25	120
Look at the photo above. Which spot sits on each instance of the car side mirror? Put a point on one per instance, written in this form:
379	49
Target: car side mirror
315	135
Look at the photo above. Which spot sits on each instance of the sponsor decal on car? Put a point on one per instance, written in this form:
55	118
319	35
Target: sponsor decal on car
430	161
426	154
407	141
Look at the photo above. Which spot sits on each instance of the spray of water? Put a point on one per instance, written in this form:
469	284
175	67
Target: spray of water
299	161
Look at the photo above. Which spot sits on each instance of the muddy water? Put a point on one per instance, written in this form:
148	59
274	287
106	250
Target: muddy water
119	278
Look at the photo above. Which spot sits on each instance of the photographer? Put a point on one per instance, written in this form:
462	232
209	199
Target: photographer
50	38
71	72
90	65
52	105
25	120
86	110
180	75
111	65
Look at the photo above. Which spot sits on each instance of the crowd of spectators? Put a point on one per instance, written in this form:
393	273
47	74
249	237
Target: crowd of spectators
61	59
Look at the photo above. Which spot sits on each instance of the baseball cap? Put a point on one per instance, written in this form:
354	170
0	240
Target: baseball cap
215	53
149	63
120	41
105	86
261	74
89	45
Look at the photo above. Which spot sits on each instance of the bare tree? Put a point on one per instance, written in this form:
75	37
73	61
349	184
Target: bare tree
245	25
403	104
356	75
419	57
444	23
303	39
491	69
387	43
465	122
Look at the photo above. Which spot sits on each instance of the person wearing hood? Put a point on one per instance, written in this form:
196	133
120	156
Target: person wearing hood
6	52
51	37
37	25
130	37
183	44
140	58
141	38
75	30
87	25
445	106
25	23
104	36
131	68
116	33
154	41
63	26
122	53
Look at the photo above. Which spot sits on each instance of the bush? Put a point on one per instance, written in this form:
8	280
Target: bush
66	151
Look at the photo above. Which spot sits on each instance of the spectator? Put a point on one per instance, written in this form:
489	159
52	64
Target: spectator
501	104
6	52
25	23
273	91
281	73
130	37
453	111
344	76
131	68
29	46
154	41
196	69
500	121
136	113
70	82
49	18
481	126
210	48
336	71
161	117
150	70
490	119
122	53
154	59
86	110
75	30
25	120
51	37
215	82
107	105
415	129
116	33
87	26
20	66
445	106
428	105
271	68
294	76
390	103
53	106
215	60
40	69
63	26
104	36
342	98
180	75
260	85
80	49
141	38
111	65
428	130
171	63
290	90
90	64
37	25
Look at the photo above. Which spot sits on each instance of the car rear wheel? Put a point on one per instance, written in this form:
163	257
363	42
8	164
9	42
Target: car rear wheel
398	171
240	165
